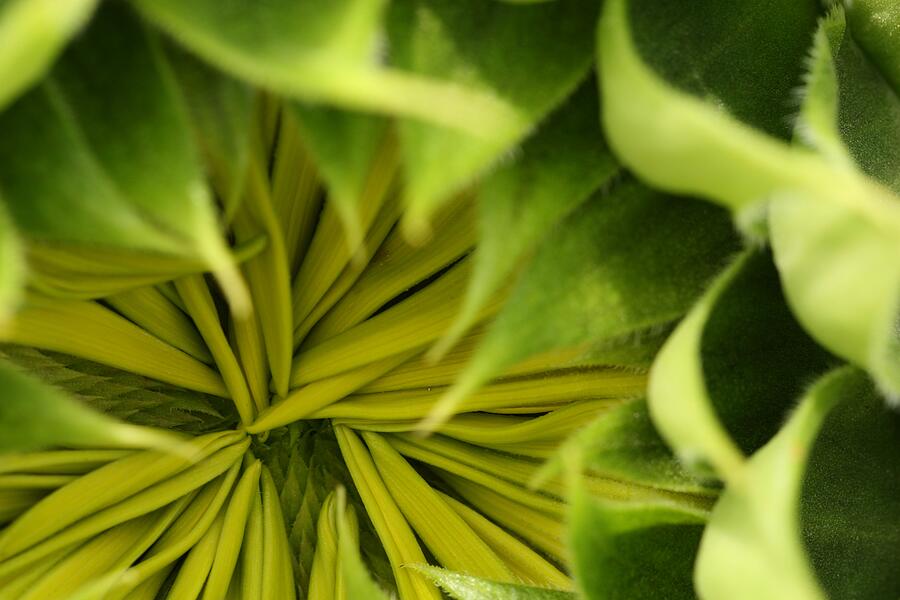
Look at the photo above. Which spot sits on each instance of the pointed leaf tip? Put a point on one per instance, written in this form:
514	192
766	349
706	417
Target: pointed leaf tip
227	274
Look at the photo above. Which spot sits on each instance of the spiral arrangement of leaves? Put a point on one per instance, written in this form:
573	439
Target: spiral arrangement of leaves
365	299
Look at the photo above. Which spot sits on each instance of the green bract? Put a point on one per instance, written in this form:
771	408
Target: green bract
482	300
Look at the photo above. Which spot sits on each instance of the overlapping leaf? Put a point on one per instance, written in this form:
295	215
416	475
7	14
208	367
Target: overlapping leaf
471	43
715	400
623	444
33	34
124	395
697	99
790	528
112	148
34	415
607	273
564	162
865	113
321	53
710	127
632	550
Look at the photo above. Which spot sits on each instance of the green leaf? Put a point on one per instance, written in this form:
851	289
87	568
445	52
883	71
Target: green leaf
745	59
221	113
684	125
874	25
472	43
466	587
849	521
555	171
754	546
632	550
723	382
622	444
12	271
33	416
861	108
41	136
824	250
609	272
320	53
33	34
635	351
833	229
116	143
140	125
123	395
344	146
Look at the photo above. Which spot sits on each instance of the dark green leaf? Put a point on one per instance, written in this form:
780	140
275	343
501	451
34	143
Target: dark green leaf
555	171
849	509
874	24
123	395
609	271
746	58
41	136
130	116
727	377
632	550
833	229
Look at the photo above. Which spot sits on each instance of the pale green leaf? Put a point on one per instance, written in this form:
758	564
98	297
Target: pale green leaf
466	587
33	34
684	121
12	272
824	250
321	53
